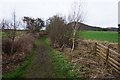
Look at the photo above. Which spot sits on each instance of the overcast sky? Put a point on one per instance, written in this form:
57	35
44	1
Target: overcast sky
101	13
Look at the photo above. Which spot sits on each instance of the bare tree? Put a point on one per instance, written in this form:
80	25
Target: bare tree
10	28
76	16
2	24
13	30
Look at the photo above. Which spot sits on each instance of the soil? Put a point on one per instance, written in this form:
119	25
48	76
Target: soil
41	66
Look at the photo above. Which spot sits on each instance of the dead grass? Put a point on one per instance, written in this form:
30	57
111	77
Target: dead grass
22	46
89	64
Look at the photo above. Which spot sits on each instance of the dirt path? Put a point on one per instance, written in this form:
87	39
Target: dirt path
41	66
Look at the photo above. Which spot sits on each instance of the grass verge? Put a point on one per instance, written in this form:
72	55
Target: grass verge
21	68
62	67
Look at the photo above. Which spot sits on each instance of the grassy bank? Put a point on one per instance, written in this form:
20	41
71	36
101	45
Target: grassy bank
21	68
99	35
62	67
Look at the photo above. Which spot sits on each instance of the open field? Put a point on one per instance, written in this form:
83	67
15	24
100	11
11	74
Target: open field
99	35
18	33
81	63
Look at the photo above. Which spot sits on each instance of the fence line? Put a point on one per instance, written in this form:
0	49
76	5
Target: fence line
111	57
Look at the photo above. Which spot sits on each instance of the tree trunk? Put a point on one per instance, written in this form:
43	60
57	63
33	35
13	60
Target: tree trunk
13	38
12	46
73	45
73	40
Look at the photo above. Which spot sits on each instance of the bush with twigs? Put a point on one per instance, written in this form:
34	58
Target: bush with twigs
59	32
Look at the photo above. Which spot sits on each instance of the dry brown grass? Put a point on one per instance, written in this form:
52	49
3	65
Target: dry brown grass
89	65
24	43
22	46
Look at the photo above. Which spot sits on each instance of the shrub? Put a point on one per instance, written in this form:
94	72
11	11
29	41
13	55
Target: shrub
6	46
22	44
58	32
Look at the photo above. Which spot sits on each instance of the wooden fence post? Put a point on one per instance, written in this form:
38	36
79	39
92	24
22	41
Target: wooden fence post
95	48
107	55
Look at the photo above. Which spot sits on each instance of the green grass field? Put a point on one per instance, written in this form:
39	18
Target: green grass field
4	35
99	35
